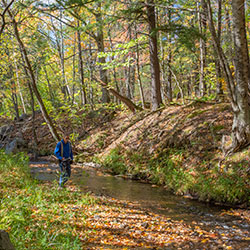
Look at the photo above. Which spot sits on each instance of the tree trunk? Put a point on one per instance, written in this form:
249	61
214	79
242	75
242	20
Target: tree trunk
169	87
114	69
137	57
178	85
241	122
10	76
90	65
202	27
163	69
19	87
229	35
219	90
127	75
169	90
223	60
74	71
51	95
101	60
83	88
154	60
127	71
32	102
14	99
32	77
64	78
139	76
239	92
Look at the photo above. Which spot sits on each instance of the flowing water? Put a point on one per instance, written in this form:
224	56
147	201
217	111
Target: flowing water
155	199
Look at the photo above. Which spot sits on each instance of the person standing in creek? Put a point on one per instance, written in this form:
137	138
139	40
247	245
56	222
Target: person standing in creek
64	154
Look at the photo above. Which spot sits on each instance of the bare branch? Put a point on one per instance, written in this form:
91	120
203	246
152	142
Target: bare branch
3	16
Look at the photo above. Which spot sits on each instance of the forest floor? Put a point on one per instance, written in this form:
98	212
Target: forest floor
178	147
118	224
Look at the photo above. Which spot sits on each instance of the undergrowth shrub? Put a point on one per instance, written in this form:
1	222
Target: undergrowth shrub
224	186
166	170
115	162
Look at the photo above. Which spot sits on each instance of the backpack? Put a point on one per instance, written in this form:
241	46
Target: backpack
70	149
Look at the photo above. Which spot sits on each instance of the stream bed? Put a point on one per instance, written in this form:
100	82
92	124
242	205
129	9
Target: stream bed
236	229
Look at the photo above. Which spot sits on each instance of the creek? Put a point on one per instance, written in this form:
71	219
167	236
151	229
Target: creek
155	199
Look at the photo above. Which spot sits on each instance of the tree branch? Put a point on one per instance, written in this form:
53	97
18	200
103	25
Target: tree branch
3	16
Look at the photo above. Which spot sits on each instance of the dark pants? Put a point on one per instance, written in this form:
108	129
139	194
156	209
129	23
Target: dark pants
65	172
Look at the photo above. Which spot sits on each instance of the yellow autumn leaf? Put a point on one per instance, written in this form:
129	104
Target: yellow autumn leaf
204	241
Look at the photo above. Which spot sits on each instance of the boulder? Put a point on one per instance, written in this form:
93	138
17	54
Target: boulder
23	117
11	147
4	131
15	144
5	243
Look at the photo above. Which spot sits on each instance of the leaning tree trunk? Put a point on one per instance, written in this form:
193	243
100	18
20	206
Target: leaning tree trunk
132	107
241	122
32	77
154	60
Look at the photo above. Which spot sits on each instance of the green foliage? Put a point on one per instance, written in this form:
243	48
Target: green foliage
115	162
166	170
210	76
223	186
119	56
186	36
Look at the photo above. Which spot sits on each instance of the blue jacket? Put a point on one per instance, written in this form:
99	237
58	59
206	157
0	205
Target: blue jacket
67	150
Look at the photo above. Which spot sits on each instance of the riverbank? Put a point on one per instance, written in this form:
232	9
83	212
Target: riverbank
178	147
39	216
